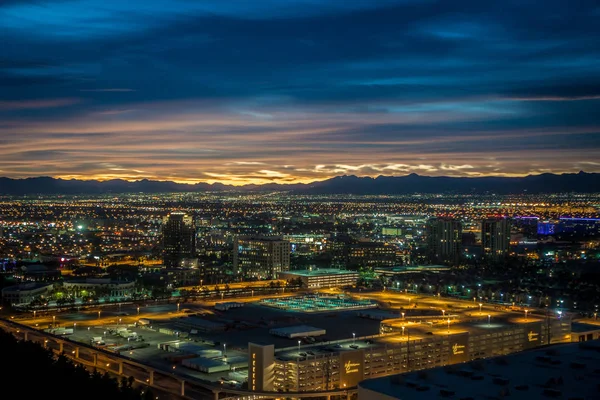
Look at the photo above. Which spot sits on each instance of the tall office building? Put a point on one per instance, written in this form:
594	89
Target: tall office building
495	237
179	241
444	238
260	256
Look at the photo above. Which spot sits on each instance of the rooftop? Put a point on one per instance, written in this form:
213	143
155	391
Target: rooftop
321	272
562	371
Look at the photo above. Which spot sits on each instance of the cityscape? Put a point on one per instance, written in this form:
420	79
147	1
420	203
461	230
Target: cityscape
300	199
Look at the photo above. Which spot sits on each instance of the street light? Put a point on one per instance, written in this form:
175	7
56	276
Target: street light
402	315
225	349
74	325
403	331
138	311
99	314
595	315
177	307
443	313
489	317
480	308
54	320
526	311
299	341
34	313
448	325
353	337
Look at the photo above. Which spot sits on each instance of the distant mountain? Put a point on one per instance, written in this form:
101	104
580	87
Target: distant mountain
546	183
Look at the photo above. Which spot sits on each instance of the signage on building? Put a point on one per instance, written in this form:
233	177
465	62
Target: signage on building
459	348
533	335
352	368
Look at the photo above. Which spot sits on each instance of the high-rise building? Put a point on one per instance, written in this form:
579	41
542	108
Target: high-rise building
179	241
495	237
260	256
444	238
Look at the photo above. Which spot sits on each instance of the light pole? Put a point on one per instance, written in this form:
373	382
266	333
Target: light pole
480	308
74	326
299	346
99	314
119	321
595	315
489	318
252	293
448	325
403	331
177	307
402	315
353	337
443	313
54	321
138	311
34	314
526	311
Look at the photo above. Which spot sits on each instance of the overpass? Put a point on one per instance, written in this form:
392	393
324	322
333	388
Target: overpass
170	381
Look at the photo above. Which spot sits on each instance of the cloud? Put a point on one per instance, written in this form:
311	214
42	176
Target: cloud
300	90
37	104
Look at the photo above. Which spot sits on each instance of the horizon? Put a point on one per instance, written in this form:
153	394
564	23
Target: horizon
295	183
298	91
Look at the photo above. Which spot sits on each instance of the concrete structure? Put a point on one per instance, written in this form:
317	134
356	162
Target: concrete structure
444	239
322	278
583	332
342	364
260	257
25	293
297	331
562	371
495	237
179	239
260	367
118	289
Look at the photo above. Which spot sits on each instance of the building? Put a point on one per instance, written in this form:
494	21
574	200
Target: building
25	293
179	239
370	254
344	363
260	257
178	277
495	237
322	278
103	286
444	239
562	371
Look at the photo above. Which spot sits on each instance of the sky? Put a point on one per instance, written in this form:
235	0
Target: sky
286	91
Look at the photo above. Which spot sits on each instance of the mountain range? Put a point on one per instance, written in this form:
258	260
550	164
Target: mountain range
581	182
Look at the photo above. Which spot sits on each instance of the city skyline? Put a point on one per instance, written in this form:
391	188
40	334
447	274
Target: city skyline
297	91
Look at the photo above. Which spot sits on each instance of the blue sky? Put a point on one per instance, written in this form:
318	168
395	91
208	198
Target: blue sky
298	90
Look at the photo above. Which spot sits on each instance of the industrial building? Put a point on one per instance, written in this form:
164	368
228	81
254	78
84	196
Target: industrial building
322	278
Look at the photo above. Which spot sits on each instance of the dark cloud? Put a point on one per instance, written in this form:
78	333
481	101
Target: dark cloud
292	82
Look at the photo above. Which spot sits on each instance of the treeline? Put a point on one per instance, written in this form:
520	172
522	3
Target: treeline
30	371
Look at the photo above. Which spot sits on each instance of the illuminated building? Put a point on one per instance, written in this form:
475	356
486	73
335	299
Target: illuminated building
322	278
260	257
179	242
444	239
343	364
495	237
371	254
553	372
